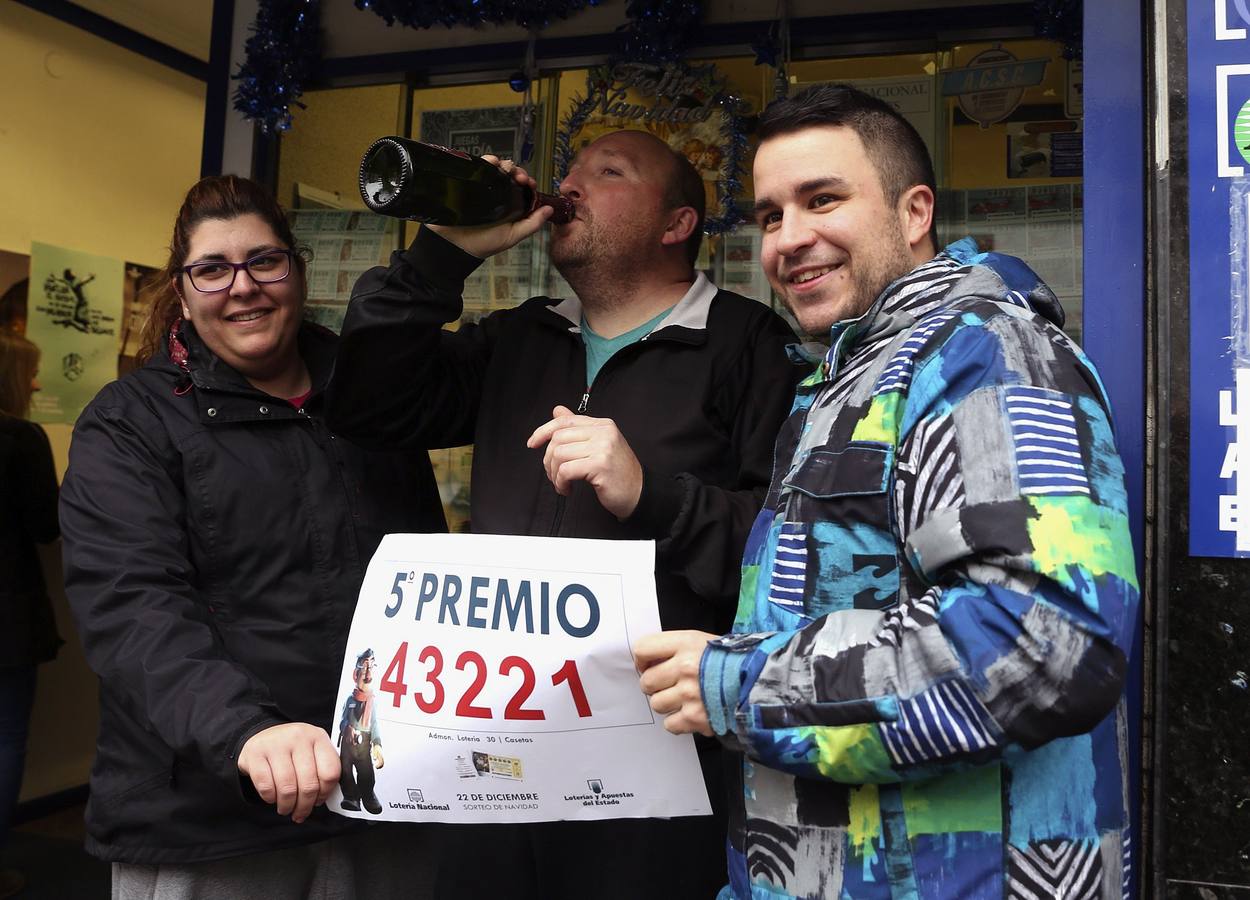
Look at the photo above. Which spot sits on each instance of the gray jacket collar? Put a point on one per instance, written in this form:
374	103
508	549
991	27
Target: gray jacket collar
690	312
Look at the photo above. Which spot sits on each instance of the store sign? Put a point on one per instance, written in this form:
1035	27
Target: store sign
1074	90
1219	289
991	86
475	130
912	97
480	141
662	89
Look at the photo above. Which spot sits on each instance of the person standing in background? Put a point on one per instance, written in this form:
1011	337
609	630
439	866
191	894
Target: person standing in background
28	635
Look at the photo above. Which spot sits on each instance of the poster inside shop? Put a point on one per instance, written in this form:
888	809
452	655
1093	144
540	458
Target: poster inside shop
343	245
489	678
911	95
510	277
74	315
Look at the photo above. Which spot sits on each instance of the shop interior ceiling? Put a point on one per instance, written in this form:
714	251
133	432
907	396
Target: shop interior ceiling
185	25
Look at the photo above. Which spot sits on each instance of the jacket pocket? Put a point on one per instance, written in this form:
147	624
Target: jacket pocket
163	778
841	501
828	714
856	470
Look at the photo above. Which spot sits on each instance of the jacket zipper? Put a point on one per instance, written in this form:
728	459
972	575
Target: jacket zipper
830	377
582	408
324	438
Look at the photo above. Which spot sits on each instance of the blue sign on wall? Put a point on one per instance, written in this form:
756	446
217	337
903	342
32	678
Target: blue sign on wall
1219	281
994	76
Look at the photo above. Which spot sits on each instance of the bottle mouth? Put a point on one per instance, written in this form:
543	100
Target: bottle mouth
384	172
565	210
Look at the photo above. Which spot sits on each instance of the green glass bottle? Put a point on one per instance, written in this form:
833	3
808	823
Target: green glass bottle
428	183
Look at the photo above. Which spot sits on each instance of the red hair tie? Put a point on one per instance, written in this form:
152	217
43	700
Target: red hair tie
178	353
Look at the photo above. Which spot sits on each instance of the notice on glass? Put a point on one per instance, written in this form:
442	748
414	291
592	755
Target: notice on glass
489	678
74	313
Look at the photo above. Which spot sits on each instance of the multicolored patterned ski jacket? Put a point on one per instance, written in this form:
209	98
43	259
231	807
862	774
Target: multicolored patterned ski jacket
938	601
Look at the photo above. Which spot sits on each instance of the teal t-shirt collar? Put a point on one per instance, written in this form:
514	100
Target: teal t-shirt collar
600	349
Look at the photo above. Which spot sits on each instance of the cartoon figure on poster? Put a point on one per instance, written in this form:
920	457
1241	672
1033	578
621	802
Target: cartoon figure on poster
360	740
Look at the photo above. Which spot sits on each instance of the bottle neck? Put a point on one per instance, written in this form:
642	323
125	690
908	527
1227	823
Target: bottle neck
562	206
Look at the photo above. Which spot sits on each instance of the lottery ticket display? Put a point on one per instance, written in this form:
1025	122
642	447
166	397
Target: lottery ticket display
489	678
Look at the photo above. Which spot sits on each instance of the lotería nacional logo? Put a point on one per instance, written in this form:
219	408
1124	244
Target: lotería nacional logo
417	801
595	785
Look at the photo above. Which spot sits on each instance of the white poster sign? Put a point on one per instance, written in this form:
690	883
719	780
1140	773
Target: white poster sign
913	97
74	309
489	678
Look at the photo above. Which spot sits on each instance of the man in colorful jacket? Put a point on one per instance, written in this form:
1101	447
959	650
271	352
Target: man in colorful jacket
924	680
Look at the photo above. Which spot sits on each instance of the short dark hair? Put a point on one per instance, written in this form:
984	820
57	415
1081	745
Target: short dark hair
685	188
897	151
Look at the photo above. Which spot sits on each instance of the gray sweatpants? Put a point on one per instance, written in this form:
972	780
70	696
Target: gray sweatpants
386	862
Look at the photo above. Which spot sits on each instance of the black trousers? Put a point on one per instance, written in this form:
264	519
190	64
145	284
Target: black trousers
357	777
612	859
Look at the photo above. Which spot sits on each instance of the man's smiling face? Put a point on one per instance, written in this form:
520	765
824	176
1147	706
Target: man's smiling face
832	239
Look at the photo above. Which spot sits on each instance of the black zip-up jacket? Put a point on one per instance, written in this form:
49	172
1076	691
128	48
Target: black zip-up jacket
700	401
215	542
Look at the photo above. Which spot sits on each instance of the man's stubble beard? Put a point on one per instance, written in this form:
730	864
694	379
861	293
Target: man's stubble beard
868	280
599	267
574	253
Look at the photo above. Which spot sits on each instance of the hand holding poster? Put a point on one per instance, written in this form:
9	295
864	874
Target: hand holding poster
489	678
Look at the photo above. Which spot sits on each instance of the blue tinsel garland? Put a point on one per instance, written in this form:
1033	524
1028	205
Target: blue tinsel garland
282	52
1062	21
285	48
659	31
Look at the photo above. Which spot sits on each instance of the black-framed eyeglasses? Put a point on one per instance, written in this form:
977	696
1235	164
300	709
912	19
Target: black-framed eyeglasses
219	275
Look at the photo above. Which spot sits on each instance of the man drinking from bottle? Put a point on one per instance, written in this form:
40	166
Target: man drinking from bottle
644	406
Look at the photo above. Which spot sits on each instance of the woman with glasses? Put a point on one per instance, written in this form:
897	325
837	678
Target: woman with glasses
216	535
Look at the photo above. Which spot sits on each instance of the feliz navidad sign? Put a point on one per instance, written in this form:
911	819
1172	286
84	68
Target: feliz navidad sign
691	108
669	94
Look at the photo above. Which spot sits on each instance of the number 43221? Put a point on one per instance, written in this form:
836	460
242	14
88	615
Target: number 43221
431	694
